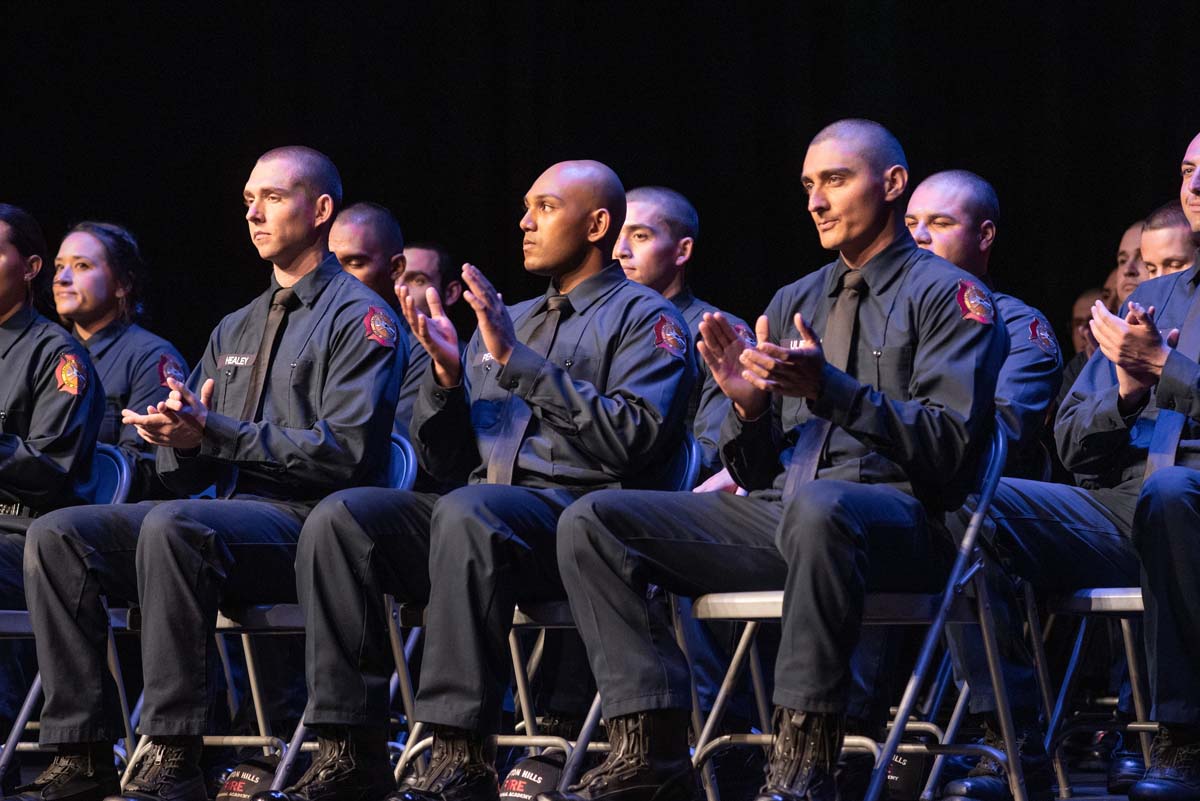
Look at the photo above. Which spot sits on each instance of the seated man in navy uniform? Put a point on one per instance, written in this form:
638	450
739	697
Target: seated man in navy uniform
1167	245
293	399
954	214
575	390
51	407
851	450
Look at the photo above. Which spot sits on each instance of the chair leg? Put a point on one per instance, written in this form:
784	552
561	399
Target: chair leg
260	711
1133	658
707	777
1060	705
1040	663
524	700
18	728
400	654
535	656
143	744
575	761
728	683
231	693
933	700
1016	779
952	727
114	667
279	781
761	702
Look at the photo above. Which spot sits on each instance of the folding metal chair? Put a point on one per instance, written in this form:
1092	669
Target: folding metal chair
679	473
891	609
108	481
1125	605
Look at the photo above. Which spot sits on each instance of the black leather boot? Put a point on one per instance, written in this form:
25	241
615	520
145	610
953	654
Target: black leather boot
78	772
988	781
804	758
351	765
1174	771
649	761
458	771
1126	768
169	770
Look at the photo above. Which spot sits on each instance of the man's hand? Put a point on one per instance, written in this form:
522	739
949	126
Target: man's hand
178	421
436	334
721	348
793	371
1136	348
720	482
495	326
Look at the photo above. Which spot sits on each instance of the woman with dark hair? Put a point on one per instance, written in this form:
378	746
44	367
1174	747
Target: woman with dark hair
97	277
51	404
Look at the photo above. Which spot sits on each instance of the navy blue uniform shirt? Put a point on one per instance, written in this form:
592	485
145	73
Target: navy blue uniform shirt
329	402
608	399
1028	384
133	365
1093	437
915	406
51	405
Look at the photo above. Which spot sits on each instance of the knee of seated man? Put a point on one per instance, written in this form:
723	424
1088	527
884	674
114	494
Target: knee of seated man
1161	512
52	537
165	527
811	515
585	522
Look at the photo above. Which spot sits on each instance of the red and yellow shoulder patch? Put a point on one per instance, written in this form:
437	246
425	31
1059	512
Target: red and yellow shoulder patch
974	302
71	377
1042	336
379	327
669	336
169	367
746	335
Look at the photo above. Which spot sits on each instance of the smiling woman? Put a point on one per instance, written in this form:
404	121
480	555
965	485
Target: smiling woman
97	276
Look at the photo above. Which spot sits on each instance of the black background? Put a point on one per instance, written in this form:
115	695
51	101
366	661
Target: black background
152	114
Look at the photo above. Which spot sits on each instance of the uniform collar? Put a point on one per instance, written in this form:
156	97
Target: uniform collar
100	341
882	268
1192	276
592	289
684	299
12	328
309	288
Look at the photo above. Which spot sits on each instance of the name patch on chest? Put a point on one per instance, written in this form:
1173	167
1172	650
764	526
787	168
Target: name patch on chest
237	359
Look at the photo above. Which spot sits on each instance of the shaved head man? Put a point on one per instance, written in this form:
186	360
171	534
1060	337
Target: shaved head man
1167	244
577	389
953	213
1189	186
368	242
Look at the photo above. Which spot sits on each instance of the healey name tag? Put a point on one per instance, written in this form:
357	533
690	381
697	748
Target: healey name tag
237	359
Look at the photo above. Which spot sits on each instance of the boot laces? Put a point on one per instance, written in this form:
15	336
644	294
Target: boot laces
61	769
450	753
627	757
330	762
159	766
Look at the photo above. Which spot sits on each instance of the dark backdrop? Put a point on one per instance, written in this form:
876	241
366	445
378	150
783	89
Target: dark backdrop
152	114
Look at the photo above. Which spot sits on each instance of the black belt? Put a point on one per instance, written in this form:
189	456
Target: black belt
15	510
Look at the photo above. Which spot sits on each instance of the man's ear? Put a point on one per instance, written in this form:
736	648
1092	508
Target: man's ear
987	235
683	251
399	263
895	181
324	207
33	266
451	292
599	223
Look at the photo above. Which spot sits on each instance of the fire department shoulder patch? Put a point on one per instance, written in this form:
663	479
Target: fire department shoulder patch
1040	333
168	367
669	336
974	302
380	327
743	331
70	374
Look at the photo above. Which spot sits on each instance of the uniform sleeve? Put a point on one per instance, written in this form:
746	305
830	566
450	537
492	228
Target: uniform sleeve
441	425
711	412
1028	381
1091	434
646	392
147	388
1179	385
952	387
751	448
356	407
40	468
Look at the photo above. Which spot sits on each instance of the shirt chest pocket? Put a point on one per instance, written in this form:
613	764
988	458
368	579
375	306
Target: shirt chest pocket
14	420
303	392
893	370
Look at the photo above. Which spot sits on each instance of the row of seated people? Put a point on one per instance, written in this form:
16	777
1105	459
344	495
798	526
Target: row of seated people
852	443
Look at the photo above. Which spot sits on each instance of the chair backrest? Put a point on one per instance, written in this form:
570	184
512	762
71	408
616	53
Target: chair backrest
678	473
991	471
110	478
402	472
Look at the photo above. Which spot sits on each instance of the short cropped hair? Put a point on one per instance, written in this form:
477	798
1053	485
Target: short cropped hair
318	173
1168	215
878	145
381	219
445	260
984	203
678	213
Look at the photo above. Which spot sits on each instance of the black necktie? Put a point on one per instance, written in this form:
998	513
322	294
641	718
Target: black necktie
282	302
1168	427
517	413
837	342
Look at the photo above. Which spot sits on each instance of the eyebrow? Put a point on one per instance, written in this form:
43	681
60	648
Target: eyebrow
830	171
542	196
279	190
